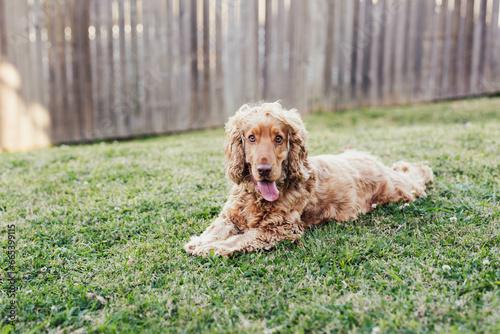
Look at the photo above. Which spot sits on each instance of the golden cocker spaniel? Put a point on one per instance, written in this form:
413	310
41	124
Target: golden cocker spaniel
280	191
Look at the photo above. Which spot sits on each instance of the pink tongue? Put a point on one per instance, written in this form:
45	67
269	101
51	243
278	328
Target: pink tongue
268	190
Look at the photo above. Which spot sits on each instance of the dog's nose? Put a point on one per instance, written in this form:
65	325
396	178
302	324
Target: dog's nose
264	170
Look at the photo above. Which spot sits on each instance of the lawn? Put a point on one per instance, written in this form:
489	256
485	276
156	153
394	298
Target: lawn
100	229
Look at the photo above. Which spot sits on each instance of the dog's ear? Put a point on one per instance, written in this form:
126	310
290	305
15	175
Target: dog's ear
298	166
235	164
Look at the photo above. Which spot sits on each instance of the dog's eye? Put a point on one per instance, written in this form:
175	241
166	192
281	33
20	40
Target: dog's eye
251	138
279	139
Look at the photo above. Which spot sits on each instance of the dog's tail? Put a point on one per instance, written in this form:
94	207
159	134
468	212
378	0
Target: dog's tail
410	179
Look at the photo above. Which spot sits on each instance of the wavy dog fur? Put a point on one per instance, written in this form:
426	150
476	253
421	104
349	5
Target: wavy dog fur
312	190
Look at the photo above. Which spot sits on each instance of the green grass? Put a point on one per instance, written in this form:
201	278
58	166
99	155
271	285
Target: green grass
110	219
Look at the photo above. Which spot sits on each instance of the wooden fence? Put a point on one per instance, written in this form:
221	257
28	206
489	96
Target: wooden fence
74	70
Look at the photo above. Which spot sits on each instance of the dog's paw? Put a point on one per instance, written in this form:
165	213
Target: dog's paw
193	243
218	250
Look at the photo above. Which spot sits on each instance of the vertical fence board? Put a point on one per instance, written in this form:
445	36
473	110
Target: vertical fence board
267	91
31	53
160	68
354	54
171	72
252	49
380	65
205	98
460	53
124	101
481	49
493	73
496	49
453	82
194	62
497	69
447	52
3	31
135	122
97	82
347	48
408	53
303	46
4	139
441	47
86	70
219	74
329	52
469	40
8	135
113	65
428	84
179	83
228	54
76	81
476	40
55	104
335	94
94	41
20	40
342	54
365	47
146	91
150	124
400	52
281	25
420	42
65	86
392	13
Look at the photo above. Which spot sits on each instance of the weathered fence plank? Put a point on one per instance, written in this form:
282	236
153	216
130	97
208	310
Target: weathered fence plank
469	35
482	49
380	65
492	80
3	32
428	83
441	46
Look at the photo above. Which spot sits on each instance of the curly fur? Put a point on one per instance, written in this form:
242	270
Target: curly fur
312	190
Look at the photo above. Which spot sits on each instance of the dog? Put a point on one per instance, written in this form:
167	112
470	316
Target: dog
279	191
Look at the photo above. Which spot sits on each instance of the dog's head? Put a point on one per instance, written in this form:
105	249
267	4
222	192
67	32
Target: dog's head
266	144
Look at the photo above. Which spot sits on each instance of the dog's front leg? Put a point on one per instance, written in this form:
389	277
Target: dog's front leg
221	229
251	240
